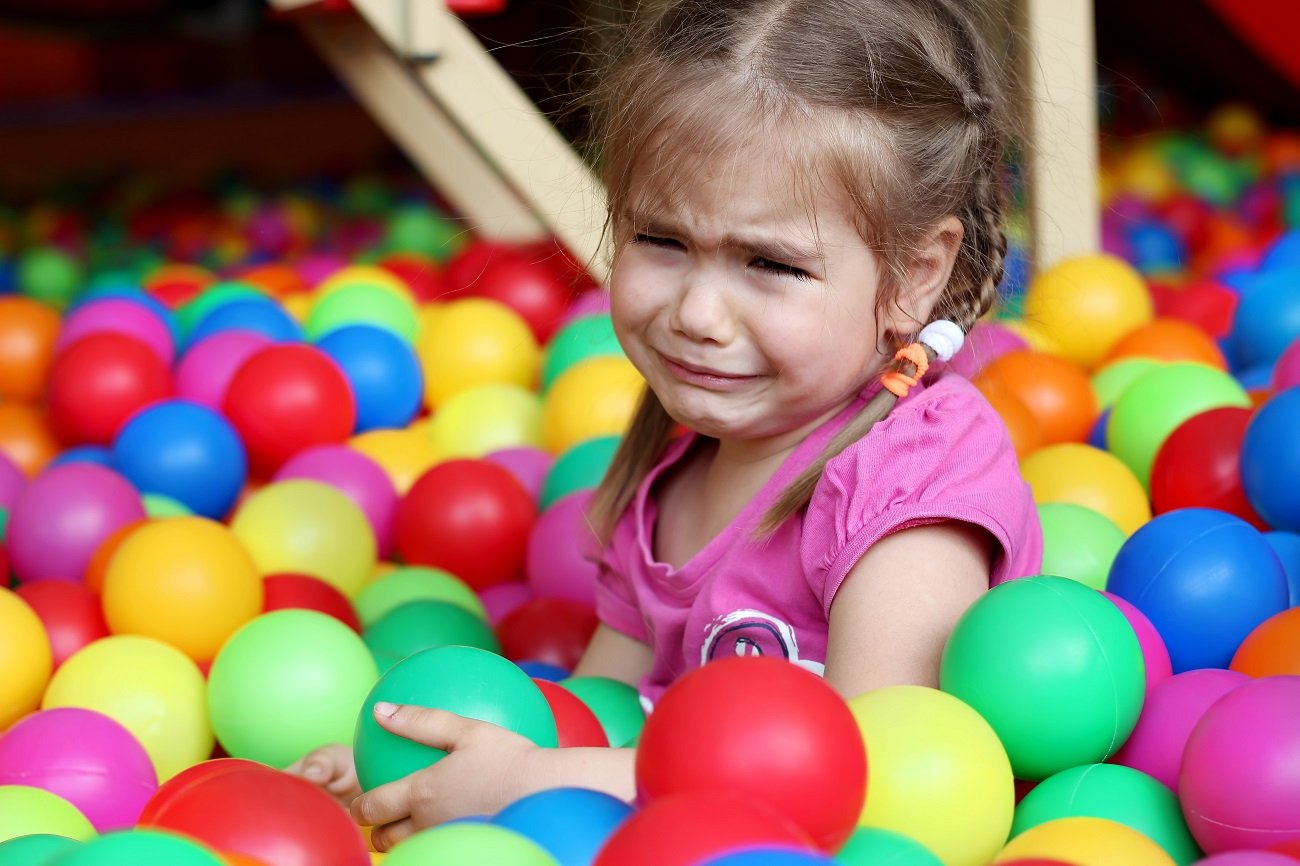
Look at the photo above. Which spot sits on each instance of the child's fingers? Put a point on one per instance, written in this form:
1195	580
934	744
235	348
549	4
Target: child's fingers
438	729
385	837
386	804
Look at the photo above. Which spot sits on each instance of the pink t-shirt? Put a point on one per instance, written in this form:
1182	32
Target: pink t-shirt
941	454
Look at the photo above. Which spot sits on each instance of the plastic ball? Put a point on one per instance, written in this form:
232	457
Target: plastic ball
1199	465
421	273
1090	477
285	399
581	467
1168	340
575	724
1270	464
487	418
382	370
529	465
61	517
49	275
1155	656
1238	785
12	480
595	397
153	689
98	382
582	338
72	614
468	843
28	330
938	773
500	599
85	454
213	297
476	342
1286	373
558	564
420	625
97	568
470	517
1206	304
551	630
25	660
872	845
1287	547
1053	666
184	451
118	316
1272	648
1111	380
25	809
303	592
364	303
1023	428
1267	319
1204	578
765	855
355	475
416	228
570	823
1054	390
257	812
616	704
203	373
1085	304
535	291
414	583
1078	543
987	341
1085	842
35	849
1247	858
85	757
463	680
307	527
404	455
130	847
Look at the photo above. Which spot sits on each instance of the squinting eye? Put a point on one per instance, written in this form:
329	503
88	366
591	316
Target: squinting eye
781	268
656	241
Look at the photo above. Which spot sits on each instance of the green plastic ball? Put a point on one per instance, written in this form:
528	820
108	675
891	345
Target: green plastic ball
1110	381
617	707
158	506
1078	543
1116	793
587	337
579	468
288	682
419	625
363	303
38	849
137	847
214	296
874	846
1158	402
414	583
463	680
49	275
24	810
417	229
468	843
1055	669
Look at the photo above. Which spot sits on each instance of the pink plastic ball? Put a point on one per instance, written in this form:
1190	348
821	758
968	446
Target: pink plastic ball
986	341
357	477
528	465
1169	714
1247	858
1240	781
586	304
62	516
559	547
206	368
1286	373
1159	667
316	268
118	315
12	480
499	600
85	757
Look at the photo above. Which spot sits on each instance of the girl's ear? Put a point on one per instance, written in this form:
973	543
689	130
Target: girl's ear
925	278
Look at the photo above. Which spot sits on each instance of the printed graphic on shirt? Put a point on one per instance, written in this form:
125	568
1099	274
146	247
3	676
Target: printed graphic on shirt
753	633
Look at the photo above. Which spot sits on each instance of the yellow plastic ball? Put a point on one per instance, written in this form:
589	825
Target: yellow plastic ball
595	397
25	659
938	773
1085	842
1083	305
187	581
404	455
486	419
476	342
153	689
1145	173
1235	128
298	305
1087	476
26	810
367	275
307	527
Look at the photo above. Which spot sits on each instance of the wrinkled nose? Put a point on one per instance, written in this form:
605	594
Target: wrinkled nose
702	312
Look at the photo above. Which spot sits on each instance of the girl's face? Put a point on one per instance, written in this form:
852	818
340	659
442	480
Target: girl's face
749	307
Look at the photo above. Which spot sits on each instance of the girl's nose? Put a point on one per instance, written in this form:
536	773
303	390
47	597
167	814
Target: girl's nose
702	312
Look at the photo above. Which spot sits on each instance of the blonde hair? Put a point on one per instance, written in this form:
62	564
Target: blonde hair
895	101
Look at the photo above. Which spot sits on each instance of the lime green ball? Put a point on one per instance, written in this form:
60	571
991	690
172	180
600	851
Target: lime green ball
156	505
494	417
1078	543
617	707
364	304
468	843
1116	793
1211	178
463	680
418	229
587	337
137	847
869	846
579	468
288	682
214	296
1110	381
38	849
1160	400
420	625
1055	669
24	810
414	583
49	275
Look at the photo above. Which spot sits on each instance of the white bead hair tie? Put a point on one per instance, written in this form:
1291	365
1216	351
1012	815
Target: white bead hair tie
944	336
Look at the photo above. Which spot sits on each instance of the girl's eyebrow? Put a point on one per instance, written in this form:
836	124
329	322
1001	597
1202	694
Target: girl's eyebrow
775	248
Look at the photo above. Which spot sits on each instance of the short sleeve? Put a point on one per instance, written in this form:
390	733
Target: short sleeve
942	455
616	600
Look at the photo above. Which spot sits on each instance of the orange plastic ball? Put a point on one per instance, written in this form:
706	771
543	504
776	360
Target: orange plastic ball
277	280
25	437
28	330
1023	428
1168	340
1273	648
103	555
1055	391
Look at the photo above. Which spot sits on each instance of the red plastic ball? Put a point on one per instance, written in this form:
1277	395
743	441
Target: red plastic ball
575	723
551	630
261	813
421	274
763	728
531	289
287	398
72	614
686	828
1206	304
98	382
470	517
283	591
461	274
1198	466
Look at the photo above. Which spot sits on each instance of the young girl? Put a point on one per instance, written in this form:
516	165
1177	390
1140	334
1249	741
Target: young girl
804	201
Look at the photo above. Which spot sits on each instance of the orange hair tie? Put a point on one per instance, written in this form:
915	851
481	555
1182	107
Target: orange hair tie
899	383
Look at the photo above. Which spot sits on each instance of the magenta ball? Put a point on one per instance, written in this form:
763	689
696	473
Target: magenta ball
357	477
12	480
559	561
502	598
86	758
206	368
1159	667
986	341
1247	858
121	316
528	465
1286	373
586	304
316	268
1240	781
62	516
1170	712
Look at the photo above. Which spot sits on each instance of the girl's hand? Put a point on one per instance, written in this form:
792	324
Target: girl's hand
331	768
482	772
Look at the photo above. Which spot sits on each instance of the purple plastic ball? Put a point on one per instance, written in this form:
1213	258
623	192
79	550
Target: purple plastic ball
501	598
557	563
12	480
1246	858
206	368
120	316
357	477
528	465
1154	654
985	342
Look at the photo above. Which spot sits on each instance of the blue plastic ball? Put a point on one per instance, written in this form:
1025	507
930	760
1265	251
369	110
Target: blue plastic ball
769	857
1284	252
264	317
544	671
1097	436
1268	318
1287	547
1155	247
85	454
384	373
1270	461
186	452
570	823
1204	578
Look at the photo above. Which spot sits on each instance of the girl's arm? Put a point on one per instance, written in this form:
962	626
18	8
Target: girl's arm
893	614
614	655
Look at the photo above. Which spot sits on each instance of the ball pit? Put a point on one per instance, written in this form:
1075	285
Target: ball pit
96	383
1084	305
